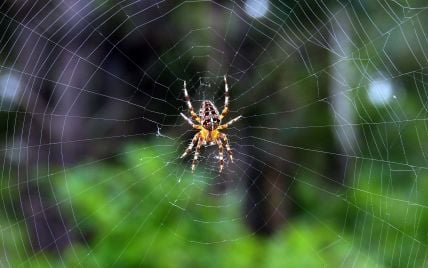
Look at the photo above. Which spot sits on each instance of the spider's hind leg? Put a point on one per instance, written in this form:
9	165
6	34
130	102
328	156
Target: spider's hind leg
229	123
189	104
190	121
226	99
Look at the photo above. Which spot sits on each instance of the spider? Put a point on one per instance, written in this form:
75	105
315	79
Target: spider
209	126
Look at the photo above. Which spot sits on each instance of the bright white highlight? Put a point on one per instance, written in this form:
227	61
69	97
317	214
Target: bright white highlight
256	8
380	92
9	87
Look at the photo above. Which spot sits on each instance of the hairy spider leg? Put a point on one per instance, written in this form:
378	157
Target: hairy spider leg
189	104
226	142
192	143
226	99
195	158
229	123
190	121
220	153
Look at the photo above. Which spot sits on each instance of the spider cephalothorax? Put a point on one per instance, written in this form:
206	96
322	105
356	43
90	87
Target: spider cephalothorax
209	124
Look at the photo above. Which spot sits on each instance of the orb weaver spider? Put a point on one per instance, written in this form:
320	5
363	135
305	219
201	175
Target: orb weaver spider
209	126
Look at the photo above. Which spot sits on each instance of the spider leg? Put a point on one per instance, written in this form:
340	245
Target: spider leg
226	142
220	153
190	121
195	158
192	143
229	123
226	99
189	104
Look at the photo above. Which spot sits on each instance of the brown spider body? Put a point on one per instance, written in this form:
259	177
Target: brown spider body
209	120
208	113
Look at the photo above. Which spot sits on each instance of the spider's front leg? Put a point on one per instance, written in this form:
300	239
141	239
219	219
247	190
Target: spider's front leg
220	153
226	142
198	149
192	143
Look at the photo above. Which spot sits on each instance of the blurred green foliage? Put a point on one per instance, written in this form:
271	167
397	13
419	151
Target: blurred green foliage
134	213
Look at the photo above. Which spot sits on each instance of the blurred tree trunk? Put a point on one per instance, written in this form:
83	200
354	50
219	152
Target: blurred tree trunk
342	110
266	208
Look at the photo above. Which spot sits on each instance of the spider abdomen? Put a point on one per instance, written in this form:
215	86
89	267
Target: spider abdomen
209	115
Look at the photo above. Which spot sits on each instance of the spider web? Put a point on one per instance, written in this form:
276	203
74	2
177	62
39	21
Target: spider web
330	165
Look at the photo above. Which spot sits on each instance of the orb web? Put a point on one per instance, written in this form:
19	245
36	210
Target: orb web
330	161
